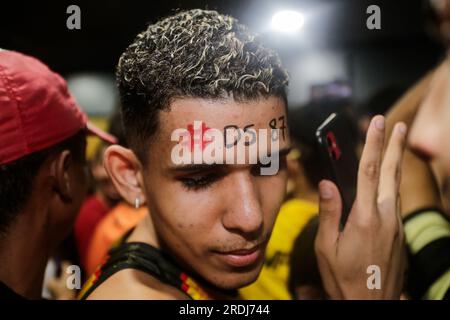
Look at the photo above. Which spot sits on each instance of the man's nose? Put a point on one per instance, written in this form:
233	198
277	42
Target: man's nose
244	214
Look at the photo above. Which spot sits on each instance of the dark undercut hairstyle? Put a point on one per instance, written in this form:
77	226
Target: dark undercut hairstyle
18	177
198	54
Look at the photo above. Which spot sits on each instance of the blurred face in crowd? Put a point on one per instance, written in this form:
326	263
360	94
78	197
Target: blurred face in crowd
430	132
214	220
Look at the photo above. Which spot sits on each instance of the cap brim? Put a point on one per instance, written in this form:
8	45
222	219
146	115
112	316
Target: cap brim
93	130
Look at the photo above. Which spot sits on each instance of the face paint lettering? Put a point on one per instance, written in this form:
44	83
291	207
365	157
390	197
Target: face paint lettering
252	132
232	146
228	128
247	133
274	125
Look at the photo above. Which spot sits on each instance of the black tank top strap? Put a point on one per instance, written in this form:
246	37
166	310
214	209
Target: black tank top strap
139	256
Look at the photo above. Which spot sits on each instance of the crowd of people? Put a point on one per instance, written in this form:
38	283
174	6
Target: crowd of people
143	227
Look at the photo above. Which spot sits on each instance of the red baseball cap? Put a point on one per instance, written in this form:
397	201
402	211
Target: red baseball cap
37	110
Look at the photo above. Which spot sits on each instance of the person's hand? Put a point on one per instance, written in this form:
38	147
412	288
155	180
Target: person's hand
372	239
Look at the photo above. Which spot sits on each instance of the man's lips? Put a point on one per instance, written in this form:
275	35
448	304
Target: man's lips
241	257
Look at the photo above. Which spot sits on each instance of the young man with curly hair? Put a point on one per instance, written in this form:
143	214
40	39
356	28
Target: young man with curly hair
209	223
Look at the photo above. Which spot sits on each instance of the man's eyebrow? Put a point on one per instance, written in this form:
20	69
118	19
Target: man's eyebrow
197	167
214	166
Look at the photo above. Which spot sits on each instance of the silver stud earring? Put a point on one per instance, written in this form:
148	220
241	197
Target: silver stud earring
137	203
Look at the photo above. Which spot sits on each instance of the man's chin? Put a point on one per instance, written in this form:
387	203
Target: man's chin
237	279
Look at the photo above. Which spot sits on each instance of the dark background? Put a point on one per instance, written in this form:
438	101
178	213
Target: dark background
334	44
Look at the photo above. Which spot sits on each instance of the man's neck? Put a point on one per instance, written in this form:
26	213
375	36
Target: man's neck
145	232
23	257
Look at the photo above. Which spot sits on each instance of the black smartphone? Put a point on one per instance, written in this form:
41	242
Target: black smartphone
340	162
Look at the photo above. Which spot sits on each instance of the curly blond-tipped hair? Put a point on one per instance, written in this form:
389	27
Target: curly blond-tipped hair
195	53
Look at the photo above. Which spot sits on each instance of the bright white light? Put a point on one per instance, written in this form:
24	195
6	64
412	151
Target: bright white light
288	21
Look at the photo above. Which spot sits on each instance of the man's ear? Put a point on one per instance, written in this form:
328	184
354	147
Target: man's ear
124	169
60	170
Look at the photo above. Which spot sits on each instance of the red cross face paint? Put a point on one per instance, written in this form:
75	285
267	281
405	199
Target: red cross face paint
197	137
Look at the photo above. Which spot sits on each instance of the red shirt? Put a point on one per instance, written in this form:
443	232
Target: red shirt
92	212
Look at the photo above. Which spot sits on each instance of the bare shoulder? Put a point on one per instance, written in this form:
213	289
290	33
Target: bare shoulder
130	284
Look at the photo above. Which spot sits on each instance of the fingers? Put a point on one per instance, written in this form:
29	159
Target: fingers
390	173
330	209
369	166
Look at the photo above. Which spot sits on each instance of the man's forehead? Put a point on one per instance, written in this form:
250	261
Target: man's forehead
221	131
219	113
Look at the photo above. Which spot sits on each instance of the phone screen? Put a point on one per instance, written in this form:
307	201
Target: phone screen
339	158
